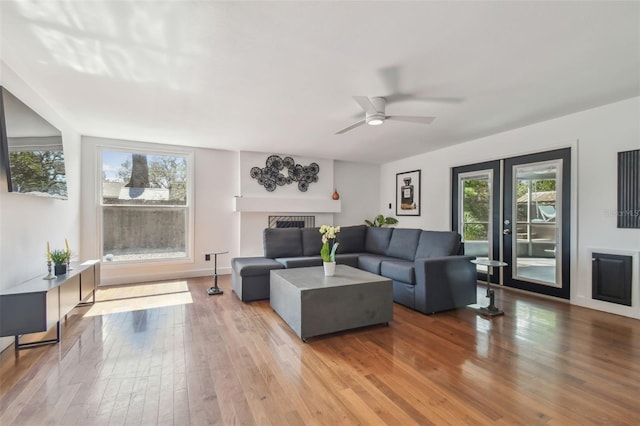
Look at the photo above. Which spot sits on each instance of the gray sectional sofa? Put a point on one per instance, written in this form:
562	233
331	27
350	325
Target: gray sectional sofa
428	271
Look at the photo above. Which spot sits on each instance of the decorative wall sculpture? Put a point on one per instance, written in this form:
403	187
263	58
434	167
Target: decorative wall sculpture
273	174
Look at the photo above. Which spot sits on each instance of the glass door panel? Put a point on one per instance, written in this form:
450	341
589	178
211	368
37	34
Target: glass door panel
475	214
536	205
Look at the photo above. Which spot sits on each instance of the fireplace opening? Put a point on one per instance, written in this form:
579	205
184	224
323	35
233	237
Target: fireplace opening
290	224
292	221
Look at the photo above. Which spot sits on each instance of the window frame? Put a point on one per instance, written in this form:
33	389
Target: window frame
149	150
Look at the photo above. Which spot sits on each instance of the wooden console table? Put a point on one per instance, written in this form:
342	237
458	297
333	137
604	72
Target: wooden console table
37	305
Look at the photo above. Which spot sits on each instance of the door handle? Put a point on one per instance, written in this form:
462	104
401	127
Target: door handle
507	232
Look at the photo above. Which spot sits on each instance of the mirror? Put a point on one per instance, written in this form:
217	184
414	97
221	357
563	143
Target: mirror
33	148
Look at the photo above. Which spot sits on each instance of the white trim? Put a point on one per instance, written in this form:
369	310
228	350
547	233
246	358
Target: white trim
587	299
293	205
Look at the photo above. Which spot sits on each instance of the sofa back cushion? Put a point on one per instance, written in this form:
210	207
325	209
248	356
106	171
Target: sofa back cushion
311	241
377	241
438	244
282	242
404	243
351	239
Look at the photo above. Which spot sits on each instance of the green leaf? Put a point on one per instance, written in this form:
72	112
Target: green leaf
325	253
333	252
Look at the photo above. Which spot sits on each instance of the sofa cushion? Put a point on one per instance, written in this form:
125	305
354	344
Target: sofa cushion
404	243
349	259
437	244
311	241
399	270
377	240
351	239
254	266
371	262
300	262
282	242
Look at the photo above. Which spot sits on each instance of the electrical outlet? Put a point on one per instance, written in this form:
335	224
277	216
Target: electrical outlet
207	257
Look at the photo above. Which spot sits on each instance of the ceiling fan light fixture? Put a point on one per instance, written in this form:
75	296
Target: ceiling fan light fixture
375	119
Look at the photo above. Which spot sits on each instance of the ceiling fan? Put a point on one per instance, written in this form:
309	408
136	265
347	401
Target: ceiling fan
375	115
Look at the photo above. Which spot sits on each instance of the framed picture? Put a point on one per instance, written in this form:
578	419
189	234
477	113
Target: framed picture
408	193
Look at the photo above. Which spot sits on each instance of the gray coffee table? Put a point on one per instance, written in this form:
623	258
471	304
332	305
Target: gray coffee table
312	304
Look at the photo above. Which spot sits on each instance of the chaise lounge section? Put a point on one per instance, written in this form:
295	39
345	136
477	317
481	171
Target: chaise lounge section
427	270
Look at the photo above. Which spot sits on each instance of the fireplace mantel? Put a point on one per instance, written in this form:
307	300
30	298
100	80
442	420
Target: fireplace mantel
289	205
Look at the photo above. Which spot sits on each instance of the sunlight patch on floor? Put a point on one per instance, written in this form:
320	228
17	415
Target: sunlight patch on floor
140	290
138	297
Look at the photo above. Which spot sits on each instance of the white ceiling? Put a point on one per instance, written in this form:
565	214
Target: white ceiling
278	76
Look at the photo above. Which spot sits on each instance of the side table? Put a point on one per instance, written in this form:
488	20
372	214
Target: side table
215	290
490	310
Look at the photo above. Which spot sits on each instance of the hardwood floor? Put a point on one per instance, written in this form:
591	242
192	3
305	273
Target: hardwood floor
216	360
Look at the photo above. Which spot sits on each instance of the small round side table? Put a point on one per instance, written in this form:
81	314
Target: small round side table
215	290
490	310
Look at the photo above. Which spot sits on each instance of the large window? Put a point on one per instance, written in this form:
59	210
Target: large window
145	206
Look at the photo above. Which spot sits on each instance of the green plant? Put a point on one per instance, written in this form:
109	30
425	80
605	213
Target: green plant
60	257
380	221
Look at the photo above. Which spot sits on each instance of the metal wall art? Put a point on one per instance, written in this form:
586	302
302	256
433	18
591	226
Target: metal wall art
273	174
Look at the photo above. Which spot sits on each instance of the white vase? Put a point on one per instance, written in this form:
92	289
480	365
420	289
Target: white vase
329	268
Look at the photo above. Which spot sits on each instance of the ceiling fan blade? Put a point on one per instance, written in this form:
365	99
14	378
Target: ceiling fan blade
398	97
353	126
411	119
366	104
441	100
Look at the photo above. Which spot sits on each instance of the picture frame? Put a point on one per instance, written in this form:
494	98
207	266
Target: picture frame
408	198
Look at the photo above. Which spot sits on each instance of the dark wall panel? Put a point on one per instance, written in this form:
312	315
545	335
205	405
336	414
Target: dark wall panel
611	278
629	189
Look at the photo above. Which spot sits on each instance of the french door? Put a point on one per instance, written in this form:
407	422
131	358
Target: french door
518	210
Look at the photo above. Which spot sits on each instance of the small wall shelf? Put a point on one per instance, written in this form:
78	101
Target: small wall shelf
289	205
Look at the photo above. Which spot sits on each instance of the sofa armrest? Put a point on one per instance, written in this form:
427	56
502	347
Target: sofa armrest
445	283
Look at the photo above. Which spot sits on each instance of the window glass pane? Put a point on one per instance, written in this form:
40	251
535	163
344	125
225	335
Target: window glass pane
476	200
141	233
476	232
143	179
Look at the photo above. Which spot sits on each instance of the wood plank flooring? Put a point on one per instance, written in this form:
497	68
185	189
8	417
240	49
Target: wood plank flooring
216	360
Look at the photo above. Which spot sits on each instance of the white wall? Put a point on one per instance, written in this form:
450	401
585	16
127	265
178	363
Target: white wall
595	136
28	222
214	220
359	187
249	187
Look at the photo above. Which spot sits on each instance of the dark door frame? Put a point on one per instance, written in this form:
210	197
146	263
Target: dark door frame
565	262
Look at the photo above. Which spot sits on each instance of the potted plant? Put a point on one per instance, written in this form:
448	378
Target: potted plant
59	259
380	221
328	250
